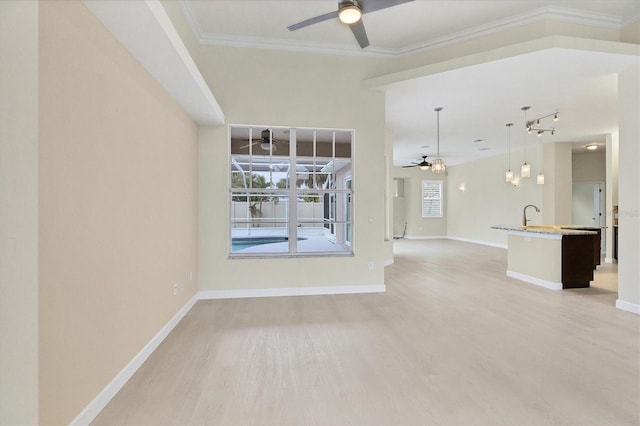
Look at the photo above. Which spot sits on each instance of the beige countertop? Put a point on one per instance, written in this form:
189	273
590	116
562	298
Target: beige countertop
551	229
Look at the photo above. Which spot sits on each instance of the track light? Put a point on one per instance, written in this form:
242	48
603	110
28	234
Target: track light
534	125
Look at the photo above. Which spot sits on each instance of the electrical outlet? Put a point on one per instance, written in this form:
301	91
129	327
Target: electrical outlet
175	289
190	276
371	264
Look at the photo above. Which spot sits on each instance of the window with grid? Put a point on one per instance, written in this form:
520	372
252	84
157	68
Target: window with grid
290	191
431	198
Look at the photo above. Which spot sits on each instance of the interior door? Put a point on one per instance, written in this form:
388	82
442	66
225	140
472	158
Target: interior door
588	205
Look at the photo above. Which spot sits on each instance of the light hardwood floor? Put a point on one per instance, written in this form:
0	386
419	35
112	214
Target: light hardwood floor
452	341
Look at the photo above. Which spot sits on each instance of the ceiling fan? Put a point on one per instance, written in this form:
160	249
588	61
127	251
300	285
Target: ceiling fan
350	12
266	141
424	164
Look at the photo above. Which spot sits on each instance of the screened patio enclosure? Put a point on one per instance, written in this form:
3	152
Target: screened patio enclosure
291	191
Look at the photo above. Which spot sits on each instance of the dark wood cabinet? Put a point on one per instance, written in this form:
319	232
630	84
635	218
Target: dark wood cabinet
578	259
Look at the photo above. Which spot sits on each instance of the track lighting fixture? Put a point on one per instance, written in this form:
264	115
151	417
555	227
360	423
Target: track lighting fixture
534	125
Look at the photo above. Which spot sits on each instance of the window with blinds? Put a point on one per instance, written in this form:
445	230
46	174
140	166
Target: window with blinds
431	198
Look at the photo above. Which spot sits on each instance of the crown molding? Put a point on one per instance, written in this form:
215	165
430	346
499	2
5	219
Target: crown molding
544	14
550	13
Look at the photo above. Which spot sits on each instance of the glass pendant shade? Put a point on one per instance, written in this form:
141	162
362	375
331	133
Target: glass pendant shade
438	166
509	176
540	179
525	170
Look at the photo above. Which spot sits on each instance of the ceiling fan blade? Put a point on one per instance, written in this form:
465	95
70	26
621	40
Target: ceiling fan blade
314	20
361	34
247	145
415	165
373	5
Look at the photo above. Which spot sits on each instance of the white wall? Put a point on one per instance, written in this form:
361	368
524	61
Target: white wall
18	212
629	190
265	87
489	200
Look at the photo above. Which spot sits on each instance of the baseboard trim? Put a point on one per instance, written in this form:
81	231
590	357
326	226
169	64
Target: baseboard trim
425	237
290	291
628	306
533	280
610	260
94	408
389	262
483	243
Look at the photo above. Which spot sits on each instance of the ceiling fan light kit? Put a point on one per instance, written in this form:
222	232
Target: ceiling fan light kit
266	141
349	11
424	164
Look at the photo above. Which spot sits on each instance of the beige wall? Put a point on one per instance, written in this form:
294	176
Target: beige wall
631	32
117	213
277	88
489	200
557	192
18	212
417	226
589	166
611	190
629	188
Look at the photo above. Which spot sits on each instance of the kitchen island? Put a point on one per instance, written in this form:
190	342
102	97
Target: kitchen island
552	256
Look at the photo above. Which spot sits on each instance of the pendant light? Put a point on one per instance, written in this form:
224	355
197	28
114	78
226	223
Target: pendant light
525	169
509	173
438	165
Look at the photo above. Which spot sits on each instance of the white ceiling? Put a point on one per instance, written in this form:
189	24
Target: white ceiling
478	100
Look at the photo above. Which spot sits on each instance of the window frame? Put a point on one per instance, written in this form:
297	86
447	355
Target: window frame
426	203
295	194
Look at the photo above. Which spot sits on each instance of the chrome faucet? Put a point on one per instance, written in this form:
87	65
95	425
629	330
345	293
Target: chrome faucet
524	213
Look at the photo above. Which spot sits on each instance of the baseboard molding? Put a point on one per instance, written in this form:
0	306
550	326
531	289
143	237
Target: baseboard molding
389	262
425	237
92	410
628	306
533	280
291	291
610	260
484	243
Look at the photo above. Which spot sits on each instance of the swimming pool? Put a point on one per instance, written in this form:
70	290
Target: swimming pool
241	243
